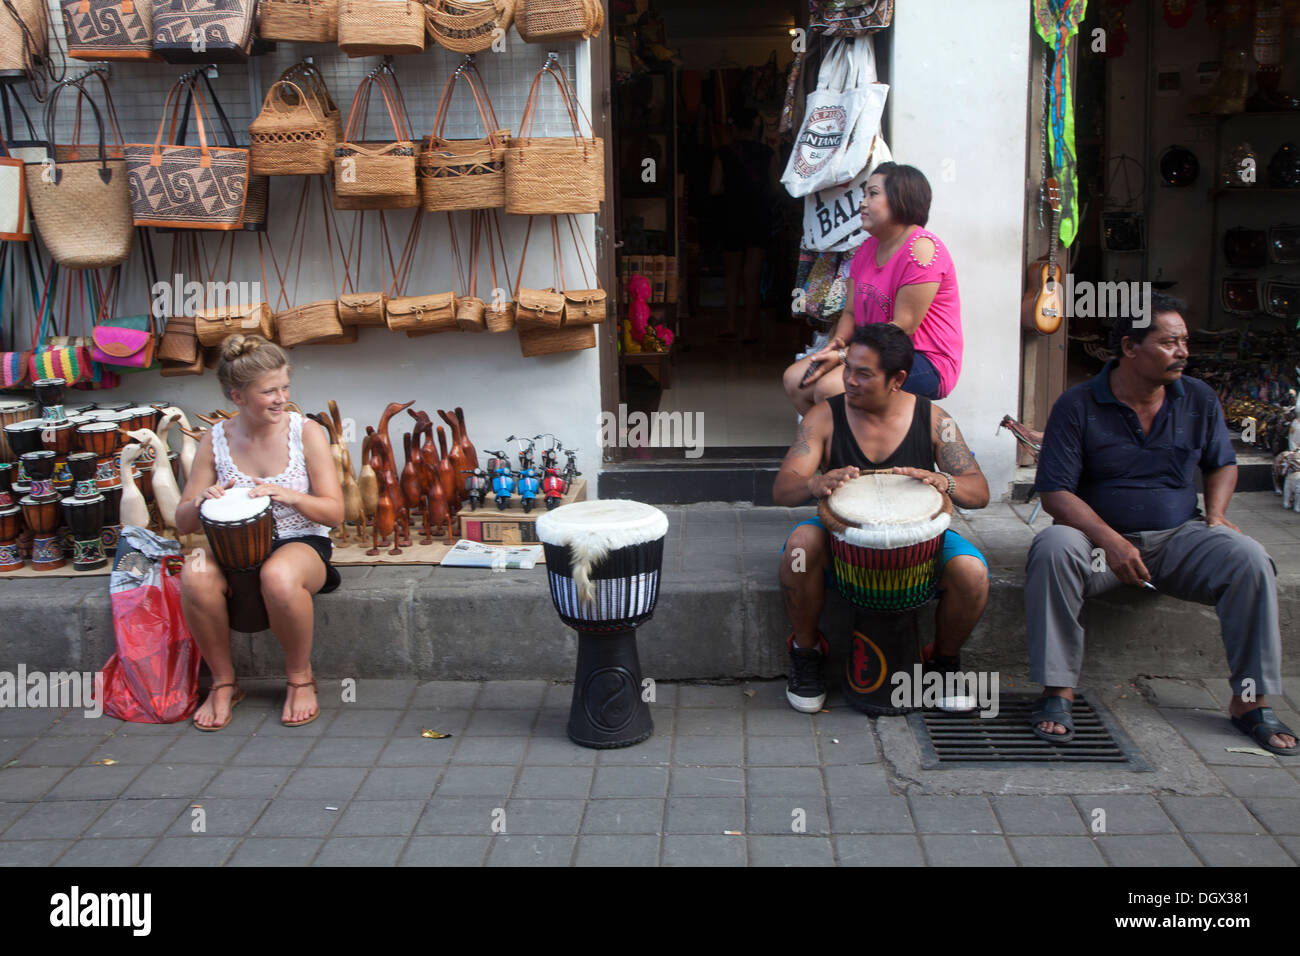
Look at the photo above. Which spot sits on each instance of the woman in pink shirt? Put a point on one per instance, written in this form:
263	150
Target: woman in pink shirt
901	274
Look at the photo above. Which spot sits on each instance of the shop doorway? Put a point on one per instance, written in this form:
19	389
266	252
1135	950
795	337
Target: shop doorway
697	208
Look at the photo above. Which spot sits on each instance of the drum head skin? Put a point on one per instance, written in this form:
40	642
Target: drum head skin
888	511
234	505
592	529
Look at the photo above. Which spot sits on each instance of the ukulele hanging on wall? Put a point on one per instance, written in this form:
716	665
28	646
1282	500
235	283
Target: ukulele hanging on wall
1044	304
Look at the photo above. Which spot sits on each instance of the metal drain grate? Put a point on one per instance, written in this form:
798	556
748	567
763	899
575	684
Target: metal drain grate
969	740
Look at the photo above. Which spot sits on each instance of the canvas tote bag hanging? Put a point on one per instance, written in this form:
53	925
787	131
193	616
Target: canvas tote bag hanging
840	119
194	187
464	173
557	174
82	207
109	29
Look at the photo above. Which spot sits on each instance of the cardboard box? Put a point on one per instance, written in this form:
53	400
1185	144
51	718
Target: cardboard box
512	526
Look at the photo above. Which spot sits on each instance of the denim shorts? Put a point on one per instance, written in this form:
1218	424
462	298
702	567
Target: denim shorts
923	379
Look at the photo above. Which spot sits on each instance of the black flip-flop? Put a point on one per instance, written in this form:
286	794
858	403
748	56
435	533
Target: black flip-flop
1055	710
1260	724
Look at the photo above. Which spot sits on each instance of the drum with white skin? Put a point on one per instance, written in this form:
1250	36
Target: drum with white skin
240	532
603	561
886	541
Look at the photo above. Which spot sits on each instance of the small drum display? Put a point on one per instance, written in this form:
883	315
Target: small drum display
886	538
85	516
603	560
7	471
240	531
13	411
57	436
11	526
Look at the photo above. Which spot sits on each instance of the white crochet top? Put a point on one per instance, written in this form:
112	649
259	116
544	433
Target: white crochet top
289	523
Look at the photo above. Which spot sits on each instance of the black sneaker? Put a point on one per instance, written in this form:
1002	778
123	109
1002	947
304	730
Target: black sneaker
806	687
951	696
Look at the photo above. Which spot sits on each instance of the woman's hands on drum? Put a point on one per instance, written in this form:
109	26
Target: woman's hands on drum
931	478
280	495
216	491
829	358
823	485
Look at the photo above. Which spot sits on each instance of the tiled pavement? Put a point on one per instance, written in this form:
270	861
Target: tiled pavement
732	776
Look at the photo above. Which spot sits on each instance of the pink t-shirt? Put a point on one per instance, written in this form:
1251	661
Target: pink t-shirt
938	336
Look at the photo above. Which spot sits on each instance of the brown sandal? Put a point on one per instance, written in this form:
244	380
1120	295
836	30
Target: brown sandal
306	720
234	699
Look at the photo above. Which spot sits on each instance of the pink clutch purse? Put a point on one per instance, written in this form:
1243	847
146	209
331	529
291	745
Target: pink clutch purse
122	347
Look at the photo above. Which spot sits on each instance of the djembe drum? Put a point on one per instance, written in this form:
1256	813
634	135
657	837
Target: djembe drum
603	560
41	511
13	411
24	437
240	531
49	394
111	532
85	516
11	521
886	536
102	439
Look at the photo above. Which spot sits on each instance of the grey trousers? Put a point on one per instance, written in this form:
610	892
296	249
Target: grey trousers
1216	566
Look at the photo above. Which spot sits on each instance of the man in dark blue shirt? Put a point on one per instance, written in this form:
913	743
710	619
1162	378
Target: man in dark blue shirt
1117	475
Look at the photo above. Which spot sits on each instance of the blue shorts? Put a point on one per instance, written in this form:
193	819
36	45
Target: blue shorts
953	545
923	379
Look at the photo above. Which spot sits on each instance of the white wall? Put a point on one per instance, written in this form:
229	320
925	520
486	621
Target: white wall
958	108
502	392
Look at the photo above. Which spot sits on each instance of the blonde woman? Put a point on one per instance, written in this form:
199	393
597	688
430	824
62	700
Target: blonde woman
263	439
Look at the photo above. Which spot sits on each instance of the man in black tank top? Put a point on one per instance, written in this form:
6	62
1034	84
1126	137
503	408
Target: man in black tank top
874	425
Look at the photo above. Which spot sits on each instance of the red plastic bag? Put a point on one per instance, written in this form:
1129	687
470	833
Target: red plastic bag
153	678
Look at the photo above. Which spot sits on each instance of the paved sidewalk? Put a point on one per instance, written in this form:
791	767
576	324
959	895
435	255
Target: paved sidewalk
729	778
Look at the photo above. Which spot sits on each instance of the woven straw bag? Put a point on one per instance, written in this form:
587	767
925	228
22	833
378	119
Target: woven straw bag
534	342
292	136
554	175
24	35
464	173
196	187
76	149
422	314
298	21
582	306
550	21
471	311
224	29
379	171
213	325
309	77
313	322
468	26
362	308
82	208
109	29
377	27
539	308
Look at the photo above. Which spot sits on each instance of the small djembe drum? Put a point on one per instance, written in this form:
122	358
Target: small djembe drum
42	512
240	532
111	532
49	394
24	437
603	560
82	465
886	537
104	441
85	516
13	411
11	520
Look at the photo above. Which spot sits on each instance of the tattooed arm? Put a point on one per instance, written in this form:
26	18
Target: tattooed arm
952	455
798	480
